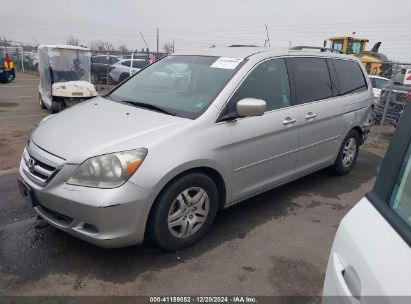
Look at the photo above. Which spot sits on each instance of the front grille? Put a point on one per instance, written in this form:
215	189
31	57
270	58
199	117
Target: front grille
38	171
39	165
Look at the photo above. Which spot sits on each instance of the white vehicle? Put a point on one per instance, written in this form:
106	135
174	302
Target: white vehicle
377	83
370	261
121	69
64	76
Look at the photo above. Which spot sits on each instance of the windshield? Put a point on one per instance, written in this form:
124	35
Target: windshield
354	47
69	65
184	85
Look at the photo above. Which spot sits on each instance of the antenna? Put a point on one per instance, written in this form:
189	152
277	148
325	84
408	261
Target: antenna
144	40
268	37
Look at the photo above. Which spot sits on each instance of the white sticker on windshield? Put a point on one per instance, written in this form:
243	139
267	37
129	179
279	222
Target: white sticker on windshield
226	63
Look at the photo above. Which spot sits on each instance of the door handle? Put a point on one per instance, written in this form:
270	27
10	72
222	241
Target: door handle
289	121
310	115
345	289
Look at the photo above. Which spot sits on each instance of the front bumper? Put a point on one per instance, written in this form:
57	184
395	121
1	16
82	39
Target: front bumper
104	217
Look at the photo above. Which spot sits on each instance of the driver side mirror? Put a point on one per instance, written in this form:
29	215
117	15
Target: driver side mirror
248	107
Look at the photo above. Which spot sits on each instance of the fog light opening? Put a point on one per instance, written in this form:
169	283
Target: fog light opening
90	228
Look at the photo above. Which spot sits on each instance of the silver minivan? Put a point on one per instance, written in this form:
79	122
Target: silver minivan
191	134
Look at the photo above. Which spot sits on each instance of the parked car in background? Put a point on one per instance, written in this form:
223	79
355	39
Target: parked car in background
101	67
377	83
371	254
191	134
121	69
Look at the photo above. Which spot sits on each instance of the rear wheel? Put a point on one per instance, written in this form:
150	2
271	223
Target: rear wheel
348	153
184	212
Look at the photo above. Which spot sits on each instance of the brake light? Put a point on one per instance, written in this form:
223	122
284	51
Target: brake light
408	97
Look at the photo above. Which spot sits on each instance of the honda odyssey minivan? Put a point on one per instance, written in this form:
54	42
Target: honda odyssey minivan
191	134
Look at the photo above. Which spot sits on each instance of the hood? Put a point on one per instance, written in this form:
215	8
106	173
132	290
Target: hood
100	126
74	89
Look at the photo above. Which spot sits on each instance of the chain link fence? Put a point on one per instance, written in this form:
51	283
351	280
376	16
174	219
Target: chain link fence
110	68
392	90
24	59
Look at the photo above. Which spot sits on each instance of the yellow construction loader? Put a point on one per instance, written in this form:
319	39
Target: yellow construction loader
373	61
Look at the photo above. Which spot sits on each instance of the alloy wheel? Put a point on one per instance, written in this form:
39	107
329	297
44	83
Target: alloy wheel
188	212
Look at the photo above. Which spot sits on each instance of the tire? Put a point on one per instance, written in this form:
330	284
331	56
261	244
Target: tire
123	77
176	222
348	153
42	106
57	106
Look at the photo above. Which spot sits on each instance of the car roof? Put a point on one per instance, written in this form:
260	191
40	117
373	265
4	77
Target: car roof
245	52
63	46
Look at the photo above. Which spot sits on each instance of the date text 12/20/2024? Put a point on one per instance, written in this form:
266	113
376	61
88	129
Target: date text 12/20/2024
204	299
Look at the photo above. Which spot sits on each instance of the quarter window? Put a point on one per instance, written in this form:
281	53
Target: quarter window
350	76
401	196
269	82
312	79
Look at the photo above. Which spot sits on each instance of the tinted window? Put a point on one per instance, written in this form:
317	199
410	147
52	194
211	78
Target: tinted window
139	64
126	63
350	76
312	79
269	82
113	60
401	197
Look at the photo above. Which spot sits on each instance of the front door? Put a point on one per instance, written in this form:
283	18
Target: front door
264	148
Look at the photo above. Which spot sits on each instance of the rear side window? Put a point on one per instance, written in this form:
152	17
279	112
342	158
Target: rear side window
126	63
139	64
401	196
350	76
311	78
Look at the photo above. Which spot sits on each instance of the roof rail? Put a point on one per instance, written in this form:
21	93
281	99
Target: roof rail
323	49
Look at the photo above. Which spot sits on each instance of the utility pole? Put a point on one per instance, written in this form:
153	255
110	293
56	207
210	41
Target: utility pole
268	37
173	46
157	40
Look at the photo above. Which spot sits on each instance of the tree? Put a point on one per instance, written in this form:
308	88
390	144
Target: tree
100	45
72	41
168	47
123	48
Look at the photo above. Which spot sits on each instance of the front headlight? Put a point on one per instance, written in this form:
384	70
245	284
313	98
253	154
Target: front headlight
109	170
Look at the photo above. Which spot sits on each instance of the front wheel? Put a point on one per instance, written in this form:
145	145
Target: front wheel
57	106
42	106
184	212
348	153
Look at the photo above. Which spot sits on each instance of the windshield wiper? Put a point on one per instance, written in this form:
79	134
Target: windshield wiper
149	106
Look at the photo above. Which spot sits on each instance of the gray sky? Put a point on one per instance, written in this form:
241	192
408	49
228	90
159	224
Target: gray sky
201	23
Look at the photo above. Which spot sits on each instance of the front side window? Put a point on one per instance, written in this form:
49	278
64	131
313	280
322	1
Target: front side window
401	197
126	63
350	76
337	45
312	79
269	82
183	85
